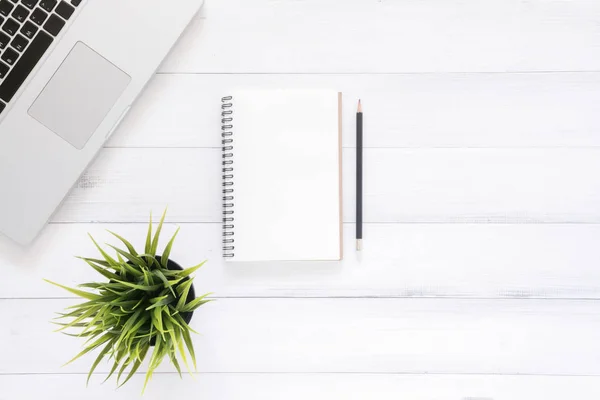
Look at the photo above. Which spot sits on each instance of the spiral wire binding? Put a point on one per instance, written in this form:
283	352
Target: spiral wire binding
227	163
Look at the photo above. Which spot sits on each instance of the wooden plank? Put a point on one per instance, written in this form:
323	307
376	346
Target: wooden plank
404	336
401	185
315	36
423	110
398	260
126	184
308	386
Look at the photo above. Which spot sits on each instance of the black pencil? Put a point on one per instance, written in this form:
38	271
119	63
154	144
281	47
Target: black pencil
359	176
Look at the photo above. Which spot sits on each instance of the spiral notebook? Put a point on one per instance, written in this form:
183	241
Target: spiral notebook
282	186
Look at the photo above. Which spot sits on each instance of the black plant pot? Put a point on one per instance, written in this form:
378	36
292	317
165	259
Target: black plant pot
187	317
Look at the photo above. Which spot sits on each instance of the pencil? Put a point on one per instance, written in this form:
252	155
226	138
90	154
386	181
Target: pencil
359	176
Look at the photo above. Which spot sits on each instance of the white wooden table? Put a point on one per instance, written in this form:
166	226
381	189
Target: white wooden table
480	277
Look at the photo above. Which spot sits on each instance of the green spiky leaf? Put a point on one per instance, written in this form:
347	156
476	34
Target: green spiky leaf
80	293
99	358
154	245
194	304
183	294
136	365
135	260
148	247
164	260
126	243
163	278
100	269
185	273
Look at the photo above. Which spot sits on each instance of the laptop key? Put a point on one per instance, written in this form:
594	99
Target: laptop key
6	7
26	64
4	39
76	2
64	10
39	16
48	5
29	29
19	43
2	106
10	26
54	25
29	3
3	70
20	13
10	56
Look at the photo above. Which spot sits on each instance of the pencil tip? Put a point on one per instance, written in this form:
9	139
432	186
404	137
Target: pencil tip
359	106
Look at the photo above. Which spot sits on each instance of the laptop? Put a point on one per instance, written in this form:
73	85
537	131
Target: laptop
69	72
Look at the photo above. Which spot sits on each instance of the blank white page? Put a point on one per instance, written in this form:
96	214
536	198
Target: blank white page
287	175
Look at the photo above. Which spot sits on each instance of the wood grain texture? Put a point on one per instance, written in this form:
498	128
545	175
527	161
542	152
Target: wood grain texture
401	185
309	386
412	110
290	36
479	277
398	260
537	337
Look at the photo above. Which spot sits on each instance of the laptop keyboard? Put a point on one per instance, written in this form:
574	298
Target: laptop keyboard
27	29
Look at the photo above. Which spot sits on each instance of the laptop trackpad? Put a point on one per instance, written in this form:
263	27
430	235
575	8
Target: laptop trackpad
79	95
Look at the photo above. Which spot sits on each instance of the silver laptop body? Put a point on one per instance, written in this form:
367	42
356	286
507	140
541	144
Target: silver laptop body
97	57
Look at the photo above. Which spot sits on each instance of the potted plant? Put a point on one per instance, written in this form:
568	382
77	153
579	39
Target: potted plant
144	305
